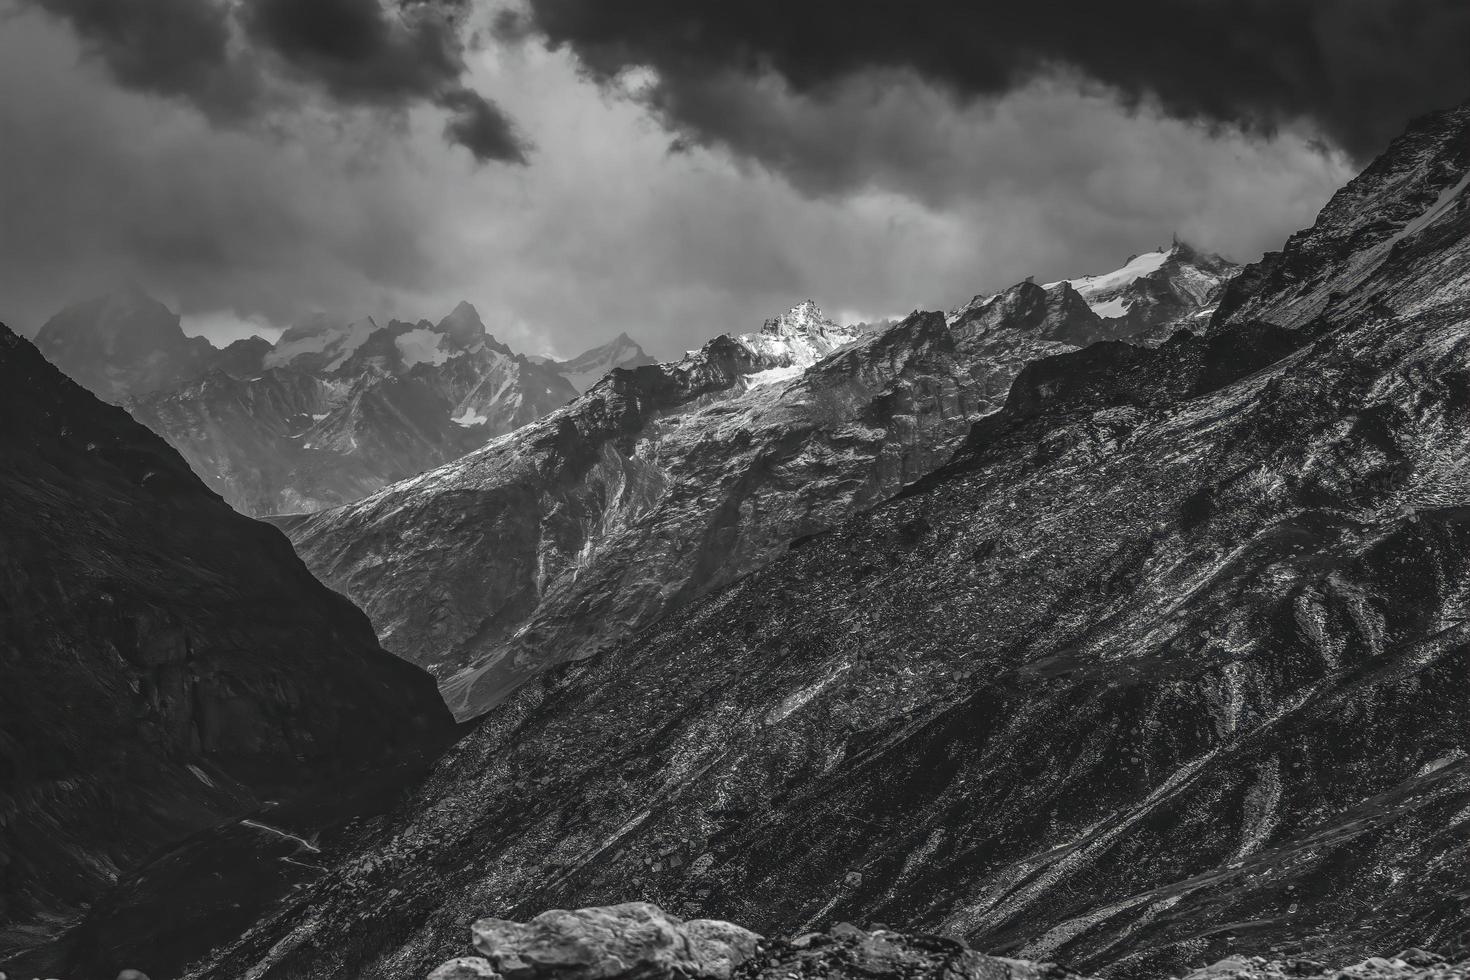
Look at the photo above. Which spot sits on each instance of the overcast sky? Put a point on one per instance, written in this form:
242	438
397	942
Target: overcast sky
576	168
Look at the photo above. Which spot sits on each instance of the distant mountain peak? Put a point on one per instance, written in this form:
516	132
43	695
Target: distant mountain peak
1155	290
463	326
122	343
590	366
792	342
805	317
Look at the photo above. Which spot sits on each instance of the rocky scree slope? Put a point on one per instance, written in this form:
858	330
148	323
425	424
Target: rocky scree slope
1168	664
667	481
333	412
167	663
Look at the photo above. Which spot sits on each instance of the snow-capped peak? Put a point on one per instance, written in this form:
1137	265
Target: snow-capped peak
1104	293
795	340
320	343
1190	274
588	367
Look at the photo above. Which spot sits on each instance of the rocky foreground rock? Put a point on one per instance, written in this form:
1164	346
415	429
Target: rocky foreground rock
639	941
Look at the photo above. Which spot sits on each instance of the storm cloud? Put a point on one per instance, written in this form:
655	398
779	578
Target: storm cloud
245	228
250	60
1352	71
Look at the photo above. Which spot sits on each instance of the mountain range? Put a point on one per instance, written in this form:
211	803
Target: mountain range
329	413
666	481
1122	621
1168	660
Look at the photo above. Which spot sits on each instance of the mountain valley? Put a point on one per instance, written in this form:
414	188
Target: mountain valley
1115	627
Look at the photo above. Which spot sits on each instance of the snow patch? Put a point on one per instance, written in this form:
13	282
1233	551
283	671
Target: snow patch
420	346
469	417
773	376
1112	309
1137	267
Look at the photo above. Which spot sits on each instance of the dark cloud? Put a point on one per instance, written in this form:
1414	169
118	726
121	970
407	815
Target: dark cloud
480	127
253	227
244	60
1355	70
175	48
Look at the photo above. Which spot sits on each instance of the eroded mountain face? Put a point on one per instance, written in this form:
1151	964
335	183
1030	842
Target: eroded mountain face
333	412
664	482
167	664
1169	662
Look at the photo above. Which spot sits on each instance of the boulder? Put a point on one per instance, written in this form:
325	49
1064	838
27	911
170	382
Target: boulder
465	968
633	941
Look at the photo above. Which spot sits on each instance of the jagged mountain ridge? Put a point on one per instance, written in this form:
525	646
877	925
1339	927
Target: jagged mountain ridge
334	411
168	664
1168	662
664	482
591	366
1158	292
1146	299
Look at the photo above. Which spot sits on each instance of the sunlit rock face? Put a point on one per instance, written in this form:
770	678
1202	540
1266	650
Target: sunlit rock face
165	663
1168	665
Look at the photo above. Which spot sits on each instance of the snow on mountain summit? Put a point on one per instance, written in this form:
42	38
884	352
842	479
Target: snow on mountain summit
590	366
794	341
1157	288
1104	293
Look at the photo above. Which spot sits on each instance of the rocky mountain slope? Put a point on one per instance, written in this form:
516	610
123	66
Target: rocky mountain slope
334	411
1167	664
664	482
168	665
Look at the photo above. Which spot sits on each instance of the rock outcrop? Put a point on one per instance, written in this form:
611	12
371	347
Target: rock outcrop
167	664
638	941
632	940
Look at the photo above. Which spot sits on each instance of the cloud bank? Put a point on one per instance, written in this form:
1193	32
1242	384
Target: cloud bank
252	59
